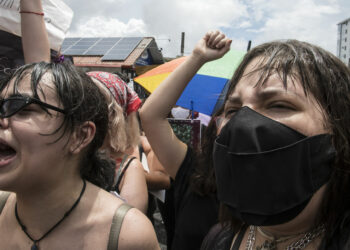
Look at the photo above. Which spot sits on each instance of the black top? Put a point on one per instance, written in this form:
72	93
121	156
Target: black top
220	238
194	214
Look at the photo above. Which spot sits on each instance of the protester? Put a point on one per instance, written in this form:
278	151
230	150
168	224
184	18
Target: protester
64	147
195	206
130	179
281	158
286	141
53	121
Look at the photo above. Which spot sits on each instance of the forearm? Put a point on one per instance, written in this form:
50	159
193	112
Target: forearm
168	148
35	41
162	100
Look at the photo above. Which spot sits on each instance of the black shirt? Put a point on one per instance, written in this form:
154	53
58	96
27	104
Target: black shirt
194	214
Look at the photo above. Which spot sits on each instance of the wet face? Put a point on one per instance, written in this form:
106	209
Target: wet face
28	151
289	106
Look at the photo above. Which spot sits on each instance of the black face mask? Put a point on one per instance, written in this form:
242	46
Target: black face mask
266	172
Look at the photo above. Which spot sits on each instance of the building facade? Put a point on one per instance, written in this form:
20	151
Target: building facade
343	43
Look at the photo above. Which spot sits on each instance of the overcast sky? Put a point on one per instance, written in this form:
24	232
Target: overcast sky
314	21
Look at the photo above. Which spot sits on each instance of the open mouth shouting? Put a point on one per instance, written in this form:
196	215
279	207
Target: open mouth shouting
7	153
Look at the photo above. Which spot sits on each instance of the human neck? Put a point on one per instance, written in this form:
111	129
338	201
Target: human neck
287	229
38	211
309	239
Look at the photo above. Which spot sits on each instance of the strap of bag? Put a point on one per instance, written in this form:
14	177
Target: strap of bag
121	173
3	199
116	226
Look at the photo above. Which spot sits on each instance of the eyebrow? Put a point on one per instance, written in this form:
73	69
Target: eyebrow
271	92
266	94
234	99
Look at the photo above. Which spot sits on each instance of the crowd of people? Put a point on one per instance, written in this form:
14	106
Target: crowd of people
271	173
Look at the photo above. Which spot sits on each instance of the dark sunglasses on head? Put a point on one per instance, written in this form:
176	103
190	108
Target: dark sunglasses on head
11	105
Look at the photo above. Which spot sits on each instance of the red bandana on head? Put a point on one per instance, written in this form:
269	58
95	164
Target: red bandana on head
123	94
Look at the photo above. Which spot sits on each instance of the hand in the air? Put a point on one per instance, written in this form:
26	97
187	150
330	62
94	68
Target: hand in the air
212	46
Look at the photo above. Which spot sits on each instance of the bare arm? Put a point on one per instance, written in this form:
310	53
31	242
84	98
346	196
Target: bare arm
137	233
35	42
157	178
133	186
168	148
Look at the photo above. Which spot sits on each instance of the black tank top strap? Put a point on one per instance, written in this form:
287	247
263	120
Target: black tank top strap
239	238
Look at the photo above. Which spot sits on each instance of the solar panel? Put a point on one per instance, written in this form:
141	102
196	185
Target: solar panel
74	52
91	39
115	57
96	52
111	39
71	40
102	46
78	46
67	43
111	48
121	50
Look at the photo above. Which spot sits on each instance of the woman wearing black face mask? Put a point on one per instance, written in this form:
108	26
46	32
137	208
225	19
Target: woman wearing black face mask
282	156
281	159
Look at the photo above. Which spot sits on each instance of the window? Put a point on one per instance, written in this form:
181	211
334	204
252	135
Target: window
344	56
346	31
345	39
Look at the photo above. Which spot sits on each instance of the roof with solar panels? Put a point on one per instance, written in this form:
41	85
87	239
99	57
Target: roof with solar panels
102	52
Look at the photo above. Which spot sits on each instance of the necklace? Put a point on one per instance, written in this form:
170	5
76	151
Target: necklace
272	244
35	242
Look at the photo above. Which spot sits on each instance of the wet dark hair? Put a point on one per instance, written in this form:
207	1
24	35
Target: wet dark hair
82	101
324	76
203	180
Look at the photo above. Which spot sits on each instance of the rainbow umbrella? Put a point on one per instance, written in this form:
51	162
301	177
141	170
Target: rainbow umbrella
206	87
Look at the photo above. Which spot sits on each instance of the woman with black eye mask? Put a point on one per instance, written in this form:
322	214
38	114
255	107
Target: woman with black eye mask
282	156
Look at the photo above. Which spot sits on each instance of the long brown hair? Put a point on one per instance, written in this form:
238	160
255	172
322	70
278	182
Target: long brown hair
203	180
328	80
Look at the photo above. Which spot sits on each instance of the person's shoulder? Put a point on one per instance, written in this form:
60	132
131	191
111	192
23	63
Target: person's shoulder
95	196
137	232
133	165
219	237
134	161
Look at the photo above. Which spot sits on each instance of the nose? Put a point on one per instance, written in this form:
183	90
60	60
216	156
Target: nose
4	123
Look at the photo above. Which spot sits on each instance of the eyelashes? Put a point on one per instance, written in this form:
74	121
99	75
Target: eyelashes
281	106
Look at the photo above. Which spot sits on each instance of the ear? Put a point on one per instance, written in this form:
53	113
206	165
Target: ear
82	137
